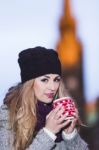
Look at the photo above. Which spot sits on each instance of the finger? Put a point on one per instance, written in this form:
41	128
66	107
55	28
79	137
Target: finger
76	113
50	113
56	109
70	118
65	123
62	118
59	113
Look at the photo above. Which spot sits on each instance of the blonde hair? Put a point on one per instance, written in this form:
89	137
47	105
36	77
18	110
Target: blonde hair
22	104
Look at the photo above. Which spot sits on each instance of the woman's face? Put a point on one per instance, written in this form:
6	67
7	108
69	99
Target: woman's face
45	87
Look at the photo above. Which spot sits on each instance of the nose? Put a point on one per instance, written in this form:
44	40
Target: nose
51	86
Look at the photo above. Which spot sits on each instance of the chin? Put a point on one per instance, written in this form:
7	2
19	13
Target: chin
49	100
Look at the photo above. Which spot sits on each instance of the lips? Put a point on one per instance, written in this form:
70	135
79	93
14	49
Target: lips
50	95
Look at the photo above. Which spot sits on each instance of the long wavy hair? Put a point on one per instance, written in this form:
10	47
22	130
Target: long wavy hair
21	102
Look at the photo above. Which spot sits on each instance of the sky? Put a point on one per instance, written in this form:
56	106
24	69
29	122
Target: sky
29	23
87	14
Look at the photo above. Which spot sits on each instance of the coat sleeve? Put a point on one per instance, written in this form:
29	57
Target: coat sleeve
76	143
5	132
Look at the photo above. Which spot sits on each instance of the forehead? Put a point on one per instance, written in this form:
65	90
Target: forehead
50	76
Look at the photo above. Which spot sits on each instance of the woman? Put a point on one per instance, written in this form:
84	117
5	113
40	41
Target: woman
27	120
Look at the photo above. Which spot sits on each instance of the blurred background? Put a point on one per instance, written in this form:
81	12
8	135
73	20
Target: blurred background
72	28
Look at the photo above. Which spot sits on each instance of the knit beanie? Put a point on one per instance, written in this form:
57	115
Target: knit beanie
38	61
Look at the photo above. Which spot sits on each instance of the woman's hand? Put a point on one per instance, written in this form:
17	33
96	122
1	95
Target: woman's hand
70	127
55	120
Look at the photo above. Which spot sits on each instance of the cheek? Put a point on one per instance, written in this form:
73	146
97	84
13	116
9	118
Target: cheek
57	86
38	90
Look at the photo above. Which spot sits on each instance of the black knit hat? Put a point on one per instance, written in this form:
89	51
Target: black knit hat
38	61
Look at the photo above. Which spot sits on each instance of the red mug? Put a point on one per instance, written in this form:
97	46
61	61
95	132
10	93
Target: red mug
68	104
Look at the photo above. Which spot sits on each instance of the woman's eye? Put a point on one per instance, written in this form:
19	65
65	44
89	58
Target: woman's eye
44	80
57	80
